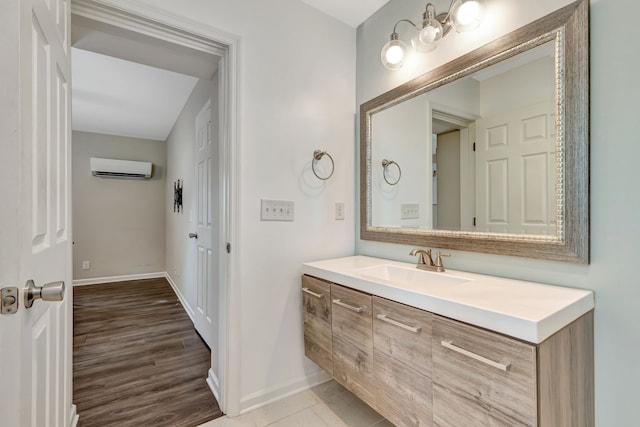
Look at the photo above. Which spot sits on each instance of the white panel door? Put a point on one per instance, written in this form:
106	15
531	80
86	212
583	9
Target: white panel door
515	171
36	341
205	255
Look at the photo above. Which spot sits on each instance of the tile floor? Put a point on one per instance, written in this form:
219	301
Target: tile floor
328	404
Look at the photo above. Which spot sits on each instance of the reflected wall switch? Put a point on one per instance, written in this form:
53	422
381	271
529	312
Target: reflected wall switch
276	210
409	211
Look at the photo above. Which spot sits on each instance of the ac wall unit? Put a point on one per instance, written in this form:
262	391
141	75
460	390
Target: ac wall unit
120	168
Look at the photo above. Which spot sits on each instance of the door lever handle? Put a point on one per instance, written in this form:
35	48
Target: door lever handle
193	235
49	292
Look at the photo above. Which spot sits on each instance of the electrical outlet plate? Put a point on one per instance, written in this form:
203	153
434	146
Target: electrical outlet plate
276	210
409	211
86	265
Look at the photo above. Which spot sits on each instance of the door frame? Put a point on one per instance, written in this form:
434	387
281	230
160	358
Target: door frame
157	23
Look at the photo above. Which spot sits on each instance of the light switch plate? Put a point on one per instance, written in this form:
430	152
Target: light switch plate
276	210
410	211
339	210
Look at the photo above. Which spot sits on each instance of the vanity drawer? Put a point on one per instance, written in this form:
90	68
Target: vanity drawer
402	394
352	341
403	333
353	368
481	378
316	298
402	361
351	316
316	302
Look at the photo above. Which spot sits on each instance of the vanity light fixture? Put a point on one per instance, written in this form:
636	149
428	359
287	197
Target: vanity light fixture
463	15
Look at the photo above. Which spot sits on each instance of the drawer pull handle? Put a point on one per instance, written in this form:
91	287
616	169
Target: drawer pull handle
348	307
413	329
451	346
310	292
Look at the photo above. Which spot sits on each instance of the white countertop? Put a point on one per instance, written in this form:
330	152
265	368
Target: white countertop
529	311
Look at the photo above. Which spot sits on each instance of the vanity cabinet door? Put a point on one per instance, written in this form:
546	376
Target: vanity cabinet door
402	360
481	378
352	341
316	301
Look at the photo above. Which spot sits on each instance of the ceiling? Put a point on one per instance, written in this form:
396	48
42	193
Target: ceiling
128	84
118	97
351	12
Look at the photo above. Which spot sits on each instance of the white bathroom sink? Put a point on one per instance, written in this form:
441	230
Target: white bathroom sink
529	311
410	276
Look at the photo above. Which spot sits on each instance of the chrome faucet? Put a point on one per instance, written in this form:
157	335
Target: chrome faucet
425	262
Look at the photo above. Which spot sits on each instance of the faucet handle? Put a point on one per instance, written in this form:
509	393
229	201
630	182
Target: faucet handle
424	256
438	264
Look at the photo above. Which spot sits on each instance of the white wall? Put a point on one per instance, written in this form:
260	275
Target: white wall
615	199
402	133
522	86
297	85
180	249
118	224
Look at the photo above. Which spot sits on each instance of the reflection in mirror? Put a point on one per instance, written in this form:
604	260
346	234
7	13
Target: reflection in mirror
523	101
450	183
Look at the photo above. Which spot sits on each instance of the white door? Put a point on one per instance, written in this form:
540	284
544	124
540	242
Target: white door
35	234
206	257
515	170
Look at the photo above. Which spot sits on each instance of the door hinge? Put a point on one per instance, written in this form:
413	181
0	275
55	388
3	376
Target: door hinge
474	221
228	247
9	300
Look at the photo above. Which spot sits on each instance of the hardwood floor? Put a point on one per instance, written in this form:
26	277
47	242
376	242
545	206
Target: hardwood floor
137	360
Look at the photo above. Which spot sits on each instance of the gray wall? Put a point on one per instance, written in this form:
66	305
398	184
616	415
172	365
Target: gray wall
615	198
118	224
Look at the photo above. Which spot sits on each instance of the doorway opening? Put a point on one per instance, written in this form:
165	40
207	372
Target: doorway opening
118	33
453	171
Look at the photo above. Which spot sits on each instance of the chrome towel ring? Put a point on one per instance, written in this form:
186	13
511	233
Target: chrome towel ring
385	164
317	155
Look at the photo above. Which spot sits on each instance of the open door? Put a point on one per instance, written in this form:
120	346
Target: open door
206	254
35	241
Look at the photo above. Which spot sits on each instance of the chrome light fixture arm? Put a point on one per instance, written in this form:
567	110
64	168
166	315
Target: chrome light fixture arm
432	29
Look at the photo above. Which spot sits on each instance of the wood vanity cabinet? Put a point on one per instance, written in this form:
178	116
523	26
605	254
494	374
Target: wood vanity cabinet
352	341
482	378
420	369
402	363
316	300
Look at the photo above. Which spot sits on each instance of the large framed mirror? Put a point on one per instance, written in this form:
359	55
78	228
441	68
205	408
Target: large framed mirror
488	153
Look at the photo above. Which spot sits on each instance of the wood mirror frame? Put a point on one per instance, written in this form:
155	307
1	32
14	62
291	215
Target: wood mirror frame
569	27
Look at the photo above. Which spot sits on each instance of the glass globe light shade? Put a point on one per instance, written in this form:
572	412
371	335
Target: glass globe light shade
426	39
394	53
467	15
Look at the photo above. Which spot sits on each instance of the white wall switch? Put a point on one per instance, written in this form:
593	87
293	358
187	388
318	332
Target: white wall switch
276	210
339	210
86	265
409	211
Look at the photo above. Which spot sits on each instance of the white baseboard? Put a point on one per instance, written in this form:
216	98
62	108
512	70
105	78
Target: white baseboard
181	297
98	280
73	417
270	395
214	384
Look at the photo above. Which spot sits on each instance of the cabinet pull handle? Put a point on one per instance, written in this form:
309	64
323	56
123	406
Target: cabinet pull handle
348	307
451	346
310	292
413	329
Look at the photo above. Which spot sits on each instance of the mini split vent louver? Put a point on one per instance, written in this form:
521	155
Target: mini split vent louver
113	168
